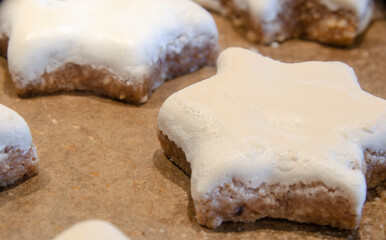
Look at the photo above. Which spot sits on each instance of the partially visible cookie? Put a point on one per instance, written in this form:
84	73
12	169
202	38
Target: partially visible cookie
334	22
18	157
92	230
123	49
268	139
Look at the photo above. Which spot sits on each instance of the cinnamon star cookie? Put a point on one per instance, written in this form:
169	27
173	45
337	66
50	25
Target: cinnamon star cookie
123	49
269	139
335	22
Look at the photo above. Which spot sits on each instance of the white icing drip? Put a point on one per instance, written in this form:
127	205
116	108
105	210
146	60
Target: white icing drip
92	230
14	131
265	10
366	17
262	121
125	36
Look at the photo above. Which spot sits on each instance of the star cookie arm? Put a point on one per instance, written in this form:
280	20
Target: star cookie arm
92	230
18	157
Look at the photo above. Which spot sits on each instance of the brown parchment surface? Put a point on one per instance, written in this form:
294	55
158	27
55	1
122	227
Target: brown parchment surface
100	158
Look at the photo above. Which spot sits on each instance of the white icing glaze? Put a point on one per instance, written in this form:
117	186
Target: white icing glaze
127	37
92	230
262	121
14	131
366	17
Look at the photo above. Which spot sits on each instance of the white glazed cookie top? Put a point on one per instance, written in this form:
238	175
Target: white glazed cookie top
125	36
14	131
263	121
92	230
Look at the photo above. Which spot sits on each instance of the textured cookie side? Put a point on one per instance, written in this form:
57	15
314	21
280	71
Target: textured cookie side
309	203
375	167
72	77
16	165
298	19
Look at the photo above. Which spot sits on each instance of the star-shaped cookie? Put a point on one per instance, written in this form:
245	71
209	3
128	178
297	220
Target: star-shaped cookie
269	139
335	22
123	49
